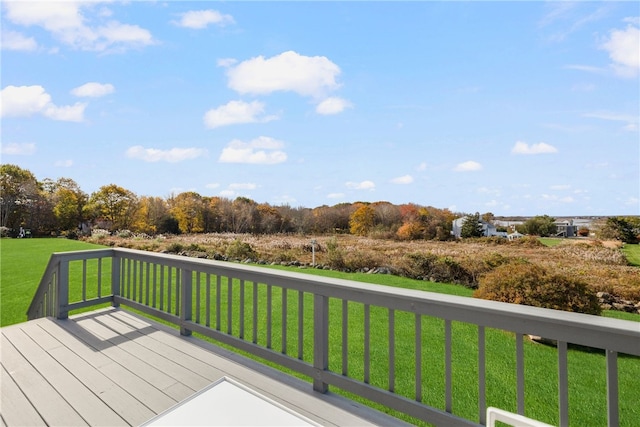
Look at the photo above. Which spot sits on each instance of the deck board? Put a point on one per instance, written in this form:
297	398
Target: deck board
113	367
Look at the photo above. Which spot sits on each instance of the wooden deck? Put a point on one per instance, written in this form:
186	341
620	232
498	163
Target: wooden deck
110	367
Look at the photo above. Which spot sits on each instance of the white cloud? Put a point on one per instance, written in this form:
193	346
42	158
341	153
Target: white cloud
213	185
24	101
540	148
93	90
243	186
67	22
12	40
236	112
199	19
406	179
173	155
468	166
422	166
554	198
262	150
364	185
560	187
289	71
624	51
335	195
332	105
14	148
630	120
63	163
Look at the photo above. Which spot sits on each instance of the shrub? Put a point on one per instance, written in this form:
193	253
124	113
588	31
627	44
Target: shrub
529	284
175	248
240	250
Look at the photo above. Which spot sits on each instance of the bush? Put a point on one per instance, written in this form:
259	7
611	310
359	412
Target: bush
175	248
240	250
529	284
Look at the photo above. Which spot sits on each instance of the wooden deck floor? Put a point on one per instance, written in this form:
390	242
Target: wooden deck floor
111	368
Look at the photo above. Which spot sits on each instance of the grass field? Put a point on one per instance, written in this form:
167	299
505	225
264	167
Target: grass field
22	263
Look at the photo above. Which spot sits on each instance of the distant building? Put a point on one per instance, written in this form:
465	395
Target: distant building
566	228
488	229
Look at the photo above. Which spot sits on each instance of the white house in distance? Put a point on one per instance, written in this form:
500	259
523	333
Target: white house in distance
488	229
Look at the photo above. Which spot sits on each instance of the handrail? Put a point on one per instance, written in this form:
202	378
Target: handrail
243	306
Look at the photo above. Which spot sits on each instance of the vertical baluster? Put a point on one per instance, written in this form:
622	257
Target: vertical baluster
367	343
300	324
100	277
218	302
169	286
186	297
392	350
447	366
161	287
345	337
418	356
178	290
284	321
84	280
613	418
140	281
255	313
154	283
229	305
208	299
520	372
269	304
563	384
320	341
135	280
241	307
197	319
147	281
482	375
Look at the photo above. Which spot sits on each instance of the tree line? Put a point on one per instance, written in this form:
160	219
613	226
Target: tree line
61	207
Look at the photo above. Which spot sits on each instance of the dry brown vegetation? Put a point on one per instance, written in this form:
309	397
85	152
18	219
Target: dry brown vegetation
599	264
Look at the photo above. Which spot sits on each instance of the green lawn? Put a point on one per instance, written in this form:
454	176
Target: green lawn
22	263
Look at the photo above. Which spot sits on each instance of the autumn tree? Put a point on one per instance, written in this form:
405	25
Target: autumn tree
361	220
114	205
188	209
151	215
69	203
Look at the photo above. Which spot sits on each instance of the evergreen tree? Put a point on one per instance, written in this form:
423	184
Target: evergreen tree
471	227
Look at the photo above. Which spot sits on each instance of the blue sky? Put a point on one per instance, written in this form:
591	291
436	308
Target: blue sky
515	108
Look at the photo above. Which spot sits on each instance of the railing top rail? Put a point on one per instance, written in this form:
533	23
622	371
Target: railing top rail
595	331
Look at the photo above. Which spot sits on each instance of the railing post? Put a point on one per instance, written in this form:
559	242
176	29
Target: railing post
62	291
320	341
185	300
115	279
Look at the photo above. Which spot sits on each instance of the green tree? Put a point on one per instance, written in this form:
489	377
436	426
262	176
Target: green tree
19	191
114	205
471	226
620	228
541	225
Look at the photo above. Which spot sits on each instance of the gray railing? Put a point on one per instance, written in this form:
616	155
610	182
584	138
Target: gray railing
376	342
